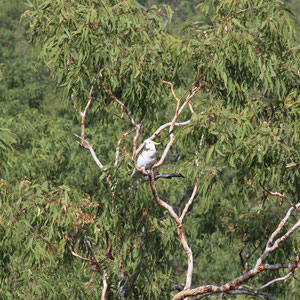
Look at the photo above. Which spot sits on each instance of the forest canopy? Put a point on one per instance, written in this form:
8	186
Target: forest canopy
84	83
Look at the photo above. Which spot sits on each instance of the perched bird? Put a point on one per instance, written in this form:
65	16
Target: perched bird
145	160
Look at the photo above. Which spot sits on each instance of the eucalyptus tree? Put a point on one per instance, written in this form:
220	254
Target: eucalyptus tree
223	101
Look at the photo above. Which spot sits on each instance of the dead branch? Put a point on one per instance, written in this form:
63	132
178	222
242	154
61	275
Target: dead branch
168	176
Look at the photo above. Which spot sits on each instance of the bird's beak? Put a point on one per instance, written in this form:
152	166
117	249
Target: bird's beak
156	143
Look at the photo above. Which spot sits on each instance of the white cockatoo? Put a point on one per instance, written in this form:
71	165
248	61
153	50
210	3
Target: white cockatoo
145	160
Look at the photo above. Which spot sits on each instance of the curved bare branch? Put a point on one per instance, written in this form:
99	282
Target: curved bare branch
258	268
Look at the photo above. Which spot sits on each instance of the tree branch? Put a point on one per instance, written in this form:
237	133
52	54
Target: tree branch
120	117
83	114
119	143
259	266
92	261
123	107
240	291
162	203
105	285
168	176
83	142
178	222
90	148
189	202
172	90
278	195
276	279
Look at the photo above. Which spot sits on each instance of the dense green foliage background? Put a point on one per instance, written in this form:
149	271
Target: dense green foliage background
54	196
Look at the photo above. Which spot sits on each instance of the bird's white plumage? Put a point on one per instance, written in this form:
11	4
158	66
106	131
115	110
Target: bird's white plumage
145	160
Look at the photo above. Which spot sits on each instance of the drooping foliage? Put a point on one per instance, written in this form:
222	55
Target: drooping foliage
126	44
243	135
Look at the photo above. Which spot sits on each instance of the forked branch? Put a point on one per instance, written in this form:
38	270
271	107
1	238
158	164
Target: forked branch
178	222
259	267
94	263
176	218
278	195
83	142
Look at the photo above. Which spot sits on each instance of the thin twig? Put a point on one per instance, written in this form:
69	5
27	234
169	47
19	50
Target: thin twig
77	255
189	202
161	128
177	105
92	262
278	195
172	89
276	280
123	107
194	91
119	143
172	139
83	115
191	108
120	117
240	291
